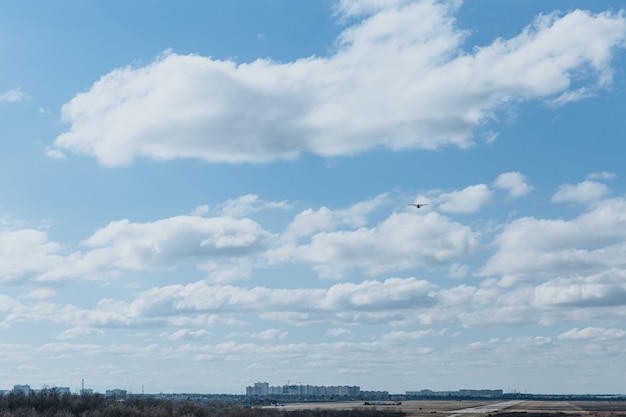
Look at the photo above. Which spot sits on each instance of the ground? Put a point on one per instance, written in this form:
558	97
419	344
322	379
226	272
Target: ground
468	408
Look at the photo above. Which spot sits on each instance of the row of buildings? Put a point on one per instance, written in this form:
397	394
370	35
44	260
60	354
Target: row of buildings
27	390
263	389
463	393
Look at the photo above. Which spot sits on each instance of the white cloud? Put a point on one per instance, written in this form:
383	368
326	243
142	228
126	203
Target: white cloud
40	293
593	333
186	311
311	221
366	7
536	249
339	332
458	270
393	293
7	303
566	271
400	242
223	270
270	334
28	255
514	182
189	334
585	291
143	246
469	200
571	96
584	192
55	153
434	93
13	96
401	335
333	242
79	333
201	210
201	304
250	203
601	175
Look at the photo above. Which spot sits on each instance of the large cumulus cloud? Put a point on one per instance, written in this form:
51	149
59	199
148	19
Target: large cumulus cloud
399	78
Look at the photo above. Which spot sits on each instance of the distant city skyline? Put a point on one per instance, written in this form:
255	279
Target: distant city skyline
293	391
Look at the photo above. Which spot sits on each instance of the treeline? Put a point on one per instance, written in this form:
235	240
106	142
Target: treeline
48	403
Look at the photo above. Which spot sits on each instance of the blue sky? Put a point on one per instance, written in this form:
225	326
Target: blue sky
197	197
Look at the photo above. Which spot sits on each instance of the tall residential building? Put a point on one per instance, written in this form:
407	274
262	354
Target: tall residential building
21	389
260	389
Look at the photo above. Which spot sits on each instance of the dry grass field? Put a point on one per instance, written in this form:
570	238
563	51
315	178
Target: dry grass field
468	408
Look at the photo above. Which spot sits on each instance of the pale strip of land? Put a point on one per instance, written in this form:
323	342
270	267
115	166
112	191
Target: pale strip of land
471	408
486	409
411	408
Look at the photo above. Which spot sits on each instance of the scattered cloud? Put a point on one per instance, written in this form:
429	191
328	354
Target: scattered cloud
400	242
584	192
339	332
40	293
571	96
28	254
201	210
250	203
601	175
309	221
469	200
55	153
412	335
514	182
535	249
270	334
15	95
189	334
593	333
458	270
576	276
204	304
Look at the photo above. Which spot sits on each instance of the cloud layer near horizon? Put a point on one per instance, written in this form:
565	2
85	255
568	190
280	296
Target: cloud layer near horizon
389	83
533	264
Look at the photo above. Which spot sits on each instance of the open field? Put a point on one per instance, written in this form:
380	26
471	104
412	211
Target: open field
468	408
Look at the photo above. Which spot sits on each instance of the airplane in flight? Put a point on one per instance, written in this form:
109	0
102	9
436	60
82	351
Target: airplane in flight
419	205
